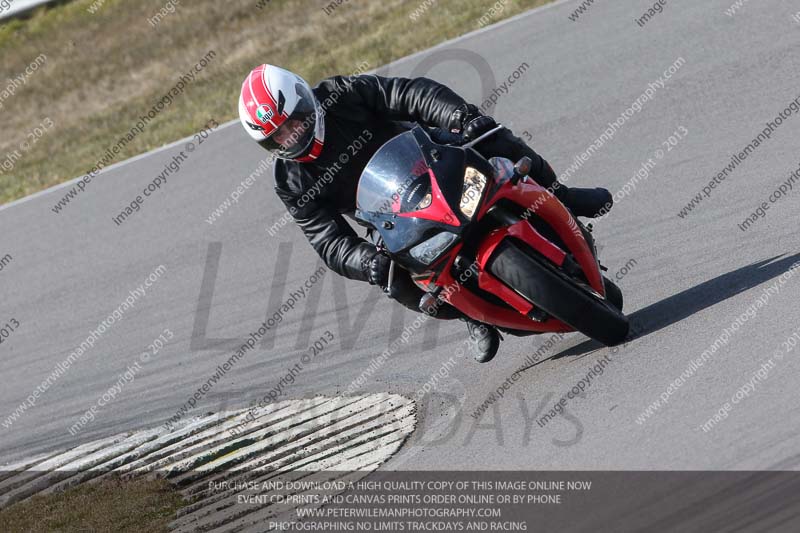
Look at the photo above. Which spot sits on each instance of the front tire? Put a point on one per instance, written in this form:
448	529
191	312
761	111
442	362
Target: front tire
553	291
613	293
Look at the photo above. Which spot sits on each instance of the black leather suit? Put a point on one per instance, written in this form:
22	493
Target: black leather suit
367	111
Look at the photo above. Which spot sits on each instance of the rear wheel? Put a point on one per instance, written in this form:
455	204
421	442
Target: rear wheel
553	291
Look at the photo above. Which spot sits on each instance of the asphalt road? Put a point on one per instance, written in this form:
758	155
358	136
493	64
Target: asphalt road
689	280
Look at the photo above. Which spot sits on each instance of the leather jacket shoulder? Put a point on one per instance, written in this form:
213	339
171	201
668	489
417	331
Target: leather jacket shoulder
395	99
352	104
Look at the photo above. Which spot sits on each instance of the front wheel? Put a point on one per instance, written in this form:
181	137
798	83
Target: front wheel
553	291
613	293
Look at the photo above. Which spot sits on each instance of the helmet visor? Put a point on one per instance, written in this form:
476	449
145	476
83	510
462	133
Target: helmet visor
294	137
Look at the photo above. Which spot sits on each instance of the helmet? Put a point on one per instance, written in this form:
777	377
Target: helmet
278	109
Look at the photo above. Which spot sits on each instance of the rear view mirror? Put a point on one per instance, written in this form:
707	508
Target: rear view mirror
521	168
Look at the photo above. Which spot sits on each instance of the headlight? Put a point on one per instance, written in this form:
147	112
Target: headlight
426	252
474	183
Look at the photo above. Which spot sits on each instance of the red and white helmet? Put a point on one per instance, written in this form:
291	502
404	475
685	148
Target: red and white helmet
278	109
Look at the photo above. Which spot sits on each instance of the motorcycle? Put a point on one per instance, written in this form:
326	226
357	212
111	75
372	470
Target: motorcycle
484	237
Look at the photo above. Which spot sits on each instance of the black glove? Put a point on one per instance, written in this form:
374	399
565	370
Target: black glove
462	116
378	269
477	127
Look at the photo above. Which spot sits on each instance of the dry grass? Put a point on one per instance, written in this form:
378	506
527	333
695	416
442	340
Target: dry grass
133	506
104	70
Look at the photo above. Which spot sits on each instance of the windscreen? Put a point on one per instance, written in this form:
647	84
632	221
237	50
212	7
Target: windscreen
396	180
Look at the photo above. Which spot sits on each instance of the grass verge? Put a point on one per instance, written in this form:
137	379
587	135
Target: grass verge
113	505
107	62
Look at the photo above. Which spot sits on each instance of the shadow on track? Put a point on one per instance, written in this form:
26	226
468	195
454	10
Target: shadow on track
671	310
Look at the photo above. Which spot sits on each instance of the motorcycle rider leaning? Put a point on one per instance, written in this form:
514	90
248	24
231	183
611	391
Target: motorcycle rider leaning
325	136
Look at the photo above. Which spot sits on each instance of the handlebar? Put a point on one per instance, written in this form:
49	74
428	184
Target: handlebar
441	136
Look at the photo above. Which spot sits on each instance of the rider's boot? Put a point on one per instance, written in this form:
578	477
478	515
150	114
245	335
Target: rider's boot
589	203
485	340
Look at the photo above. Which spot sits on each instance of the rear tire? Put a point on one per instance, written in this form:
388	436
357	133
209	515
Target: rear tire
553	291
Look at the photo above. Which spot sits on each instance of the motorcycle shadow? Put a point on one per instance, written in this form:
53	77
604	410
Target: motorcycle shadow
668	311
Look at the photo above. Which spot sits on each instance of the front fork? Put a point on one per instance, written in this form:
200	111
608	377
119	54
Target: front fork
390	288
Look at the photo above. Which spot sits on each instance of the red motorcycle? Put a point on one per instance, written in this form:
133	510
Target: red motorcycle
484	237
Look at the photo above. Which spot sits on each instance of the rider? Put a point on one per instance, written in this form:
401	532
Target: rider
324	137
